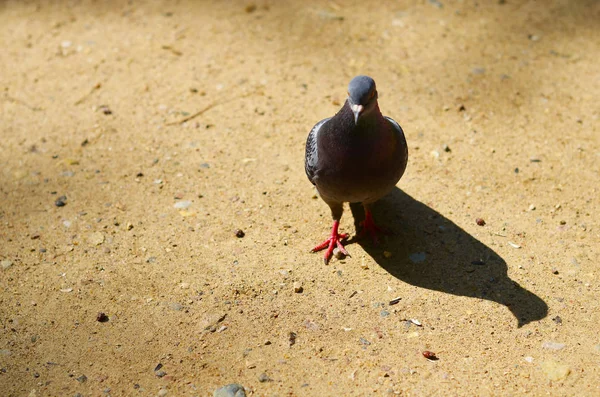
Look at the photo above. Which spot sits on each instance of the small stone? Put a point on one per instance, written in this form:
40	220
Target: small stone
531	207
557	320
555	371
160	373
417	257
232	390
176	306
529	359
101	317
480	222
563	222
61	201
239	233
298	287
384	313
338	253
6	264
129	226
292	338
162	393
553	345
82	379
446	148
554	270
182	205
264	378
363	341
96	238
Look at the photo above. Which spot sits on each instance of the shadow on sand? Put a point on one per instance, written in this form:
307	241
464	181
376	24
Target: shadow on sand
430	251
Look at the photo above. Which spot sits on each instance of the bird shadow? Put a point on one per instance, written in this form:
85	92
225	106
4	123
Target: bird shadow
430	251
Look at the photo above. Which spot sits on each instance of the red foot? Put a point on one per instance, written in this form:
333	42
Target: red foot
369	227
334	240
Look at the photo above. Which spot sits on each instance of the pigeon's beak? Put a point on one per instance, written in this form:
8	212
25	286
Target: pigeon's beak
357	110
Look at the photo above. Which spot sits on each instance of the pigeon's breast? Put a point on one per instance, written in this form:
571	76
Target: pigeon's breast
361	167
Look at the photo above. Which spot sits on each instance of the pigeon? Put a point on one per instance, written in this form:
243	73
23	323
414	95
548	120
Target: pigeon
356	156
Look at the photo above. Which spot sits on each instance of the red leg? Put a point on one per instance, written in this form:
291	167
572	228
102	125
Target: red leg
369	227
334	240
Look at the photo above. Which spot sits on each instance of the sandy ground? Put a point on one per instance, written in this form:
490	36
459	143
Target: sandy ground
499	103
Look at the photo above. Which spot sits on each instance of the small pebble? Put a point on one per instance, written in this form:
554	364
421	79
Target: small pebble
82	379
384	313
61	201
363	341
182	205
160	373
557	320
239	233
553	345
6	264
162	392
395	301
292	338
417	257
264	378
232	390
101	317
298	287
554	270
531	207
555	371
338	253
480	222
430	355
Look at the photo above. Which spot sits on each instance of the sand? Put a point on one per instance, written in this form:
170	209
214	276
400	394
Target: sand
169	126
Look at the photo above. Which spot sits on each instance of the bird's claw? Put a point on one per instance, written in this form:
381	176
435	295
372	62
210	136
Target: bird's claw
370	228
335	240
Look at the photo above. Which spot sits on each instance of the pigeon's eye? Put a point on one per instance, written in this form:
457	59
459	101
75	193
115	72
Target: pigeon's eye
372	95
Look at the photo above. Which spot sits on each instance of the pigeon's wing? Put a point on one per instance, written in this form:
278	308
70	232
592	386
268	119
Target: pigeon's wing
312	156
399	134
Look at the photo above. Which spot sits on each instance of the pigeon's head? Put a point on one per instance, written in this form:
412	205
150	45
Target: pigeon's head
362	96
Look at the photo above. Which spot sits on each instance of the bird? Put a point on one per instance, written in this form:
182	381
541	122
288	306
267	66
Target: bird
356	156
